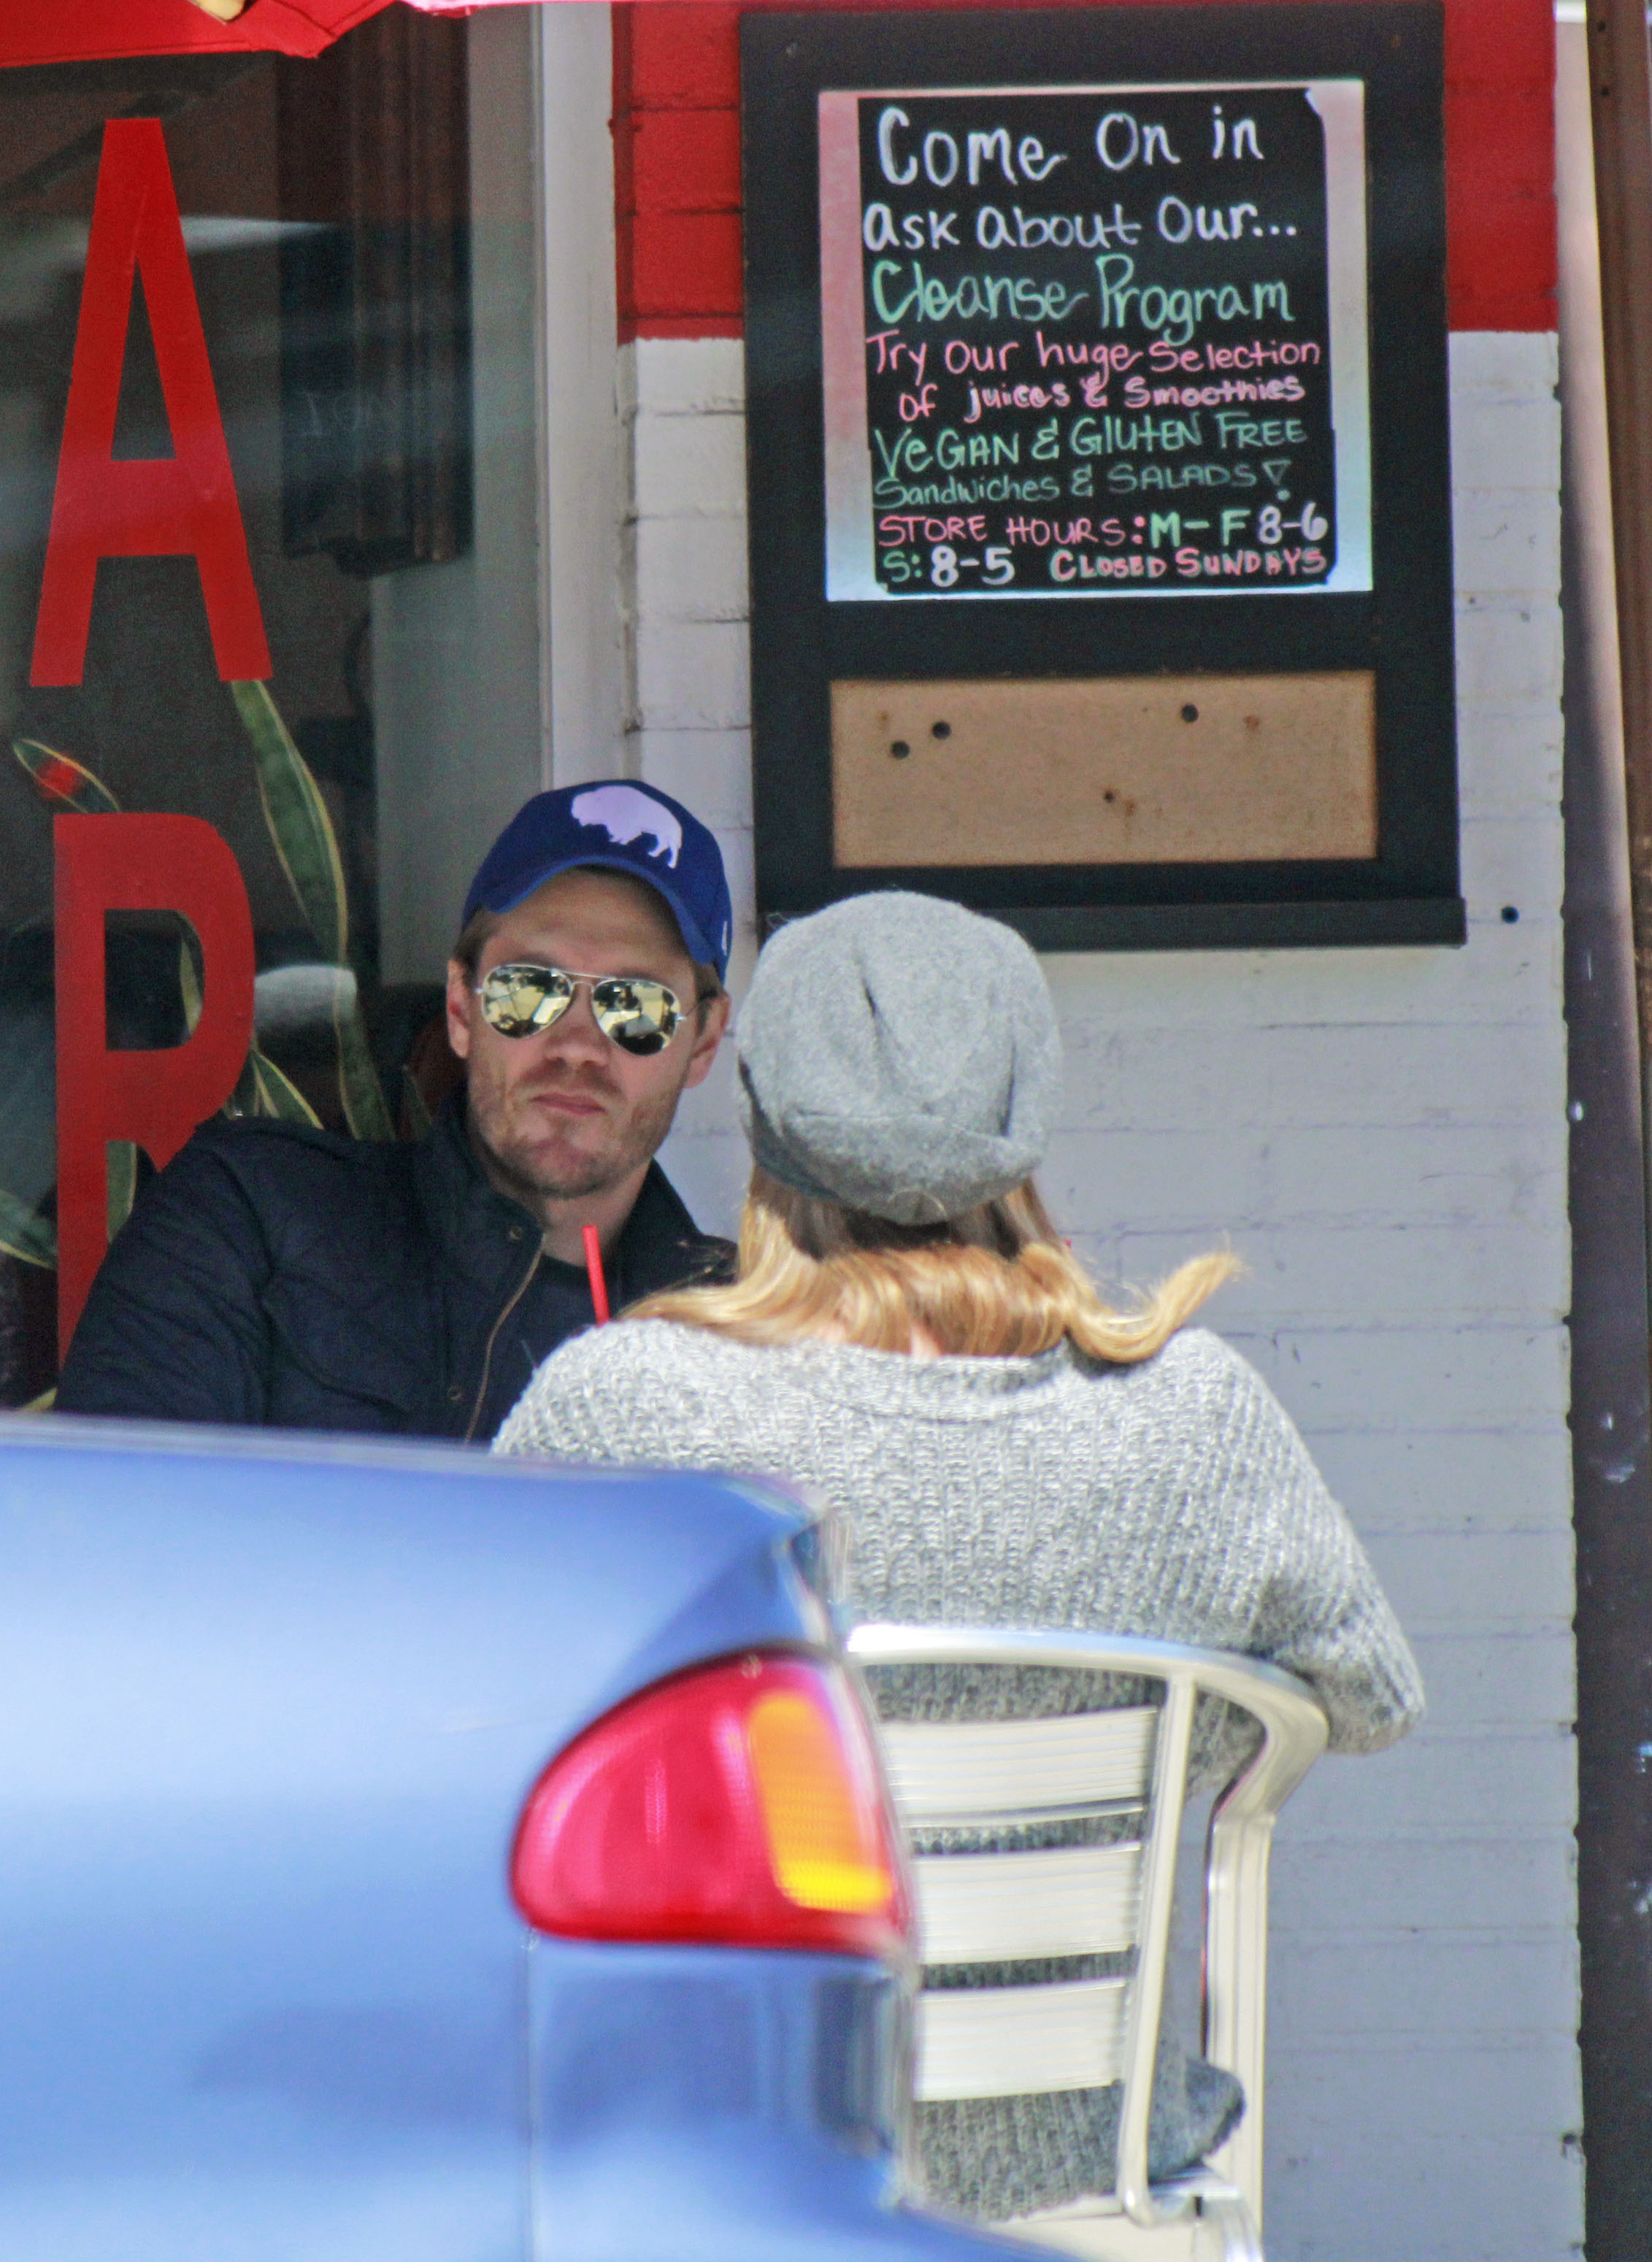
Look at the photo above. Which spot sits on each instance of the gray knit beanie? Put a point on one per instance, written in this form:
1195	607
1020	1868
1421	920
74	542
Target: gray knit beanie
898	1055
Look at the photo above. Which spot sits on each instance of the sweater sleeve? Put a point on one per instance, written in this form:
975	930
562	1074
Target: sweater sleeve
1319	1611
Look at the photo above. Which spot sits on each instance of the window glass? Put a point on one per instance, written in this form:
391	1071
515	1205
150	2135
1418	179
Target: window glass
324	212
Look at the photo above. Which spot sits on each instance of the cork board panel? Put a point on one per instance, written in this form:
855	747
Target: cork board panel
1193	769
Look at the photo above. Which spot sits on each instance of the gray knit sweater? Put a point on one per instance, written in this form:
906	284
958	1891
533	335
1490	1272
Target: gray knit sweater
1171	1499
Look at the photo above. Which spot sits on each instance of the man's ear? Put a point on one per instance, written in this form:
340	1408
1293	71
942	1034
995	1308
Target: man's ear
459	1008
713	1022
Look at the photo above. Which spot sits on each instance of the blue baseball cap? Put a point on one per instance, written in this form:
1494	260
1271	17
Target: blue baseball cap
621	827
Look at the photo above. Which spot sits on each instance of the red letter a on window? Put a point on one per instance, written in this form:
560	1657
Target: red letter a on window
159	507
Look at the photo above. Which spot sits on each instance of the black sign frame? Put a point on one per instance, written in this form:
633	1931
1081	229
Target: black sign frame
1403	630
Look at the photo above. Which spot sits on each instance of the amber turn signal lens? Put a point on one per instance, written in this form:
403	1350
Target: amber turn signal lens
823	1841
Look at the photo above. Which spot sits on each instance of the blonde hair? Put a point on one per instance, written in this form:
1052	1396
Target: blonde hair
997	1283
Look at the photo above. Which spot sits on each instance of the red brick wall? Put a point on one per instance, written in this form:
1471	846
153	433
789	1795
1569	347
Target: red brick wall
677	162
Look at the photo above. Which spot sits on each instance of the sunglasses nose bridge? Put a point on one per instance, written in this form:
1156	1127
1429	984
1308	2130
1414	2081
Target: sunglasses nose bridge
579	1015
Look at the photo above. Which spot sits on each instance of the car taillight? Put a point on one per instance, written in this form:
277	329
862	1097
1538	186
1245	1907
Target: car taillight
741	1803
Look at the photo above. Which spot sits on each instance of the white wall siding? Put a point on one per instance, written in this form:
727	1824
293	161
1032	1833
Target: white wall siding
691	690
1382	1135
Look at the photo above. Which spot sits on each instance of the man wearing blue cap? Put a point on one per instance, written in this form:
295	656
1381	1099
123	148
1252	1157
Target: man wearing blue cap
277	1274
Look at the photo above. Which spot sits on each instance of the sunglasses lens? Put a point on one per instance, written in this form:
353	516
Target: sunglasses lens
518	1000
637	1015
640	1016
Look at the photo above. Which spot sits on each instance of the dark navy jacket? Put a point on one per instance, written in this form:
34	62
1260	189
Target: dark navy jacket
276	1274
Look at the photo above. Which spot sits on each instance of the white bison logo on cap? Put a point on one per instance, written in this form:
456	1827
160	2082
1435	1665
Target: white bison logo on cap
626	813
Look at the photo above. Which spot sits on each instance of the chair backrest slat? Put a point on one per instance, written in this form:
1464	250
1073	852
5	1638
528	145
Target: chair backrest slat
1025	1904
991	2042
957	1771
999	1908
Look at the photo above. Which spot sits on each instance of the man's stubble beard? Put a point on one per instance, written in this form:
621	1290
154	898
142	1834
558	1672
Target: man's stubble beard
525	1176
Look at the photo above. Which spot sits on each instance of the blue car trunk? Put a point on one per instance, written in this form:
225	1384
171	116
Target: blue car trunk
269	1712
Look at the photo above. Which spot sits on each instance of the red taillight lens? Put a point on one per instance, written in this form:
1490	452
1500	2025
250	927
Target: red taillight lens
740	1804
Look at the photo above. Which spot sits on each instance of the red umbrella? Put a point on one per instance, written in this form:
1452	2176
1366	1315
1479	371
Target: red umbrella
91	30
86	31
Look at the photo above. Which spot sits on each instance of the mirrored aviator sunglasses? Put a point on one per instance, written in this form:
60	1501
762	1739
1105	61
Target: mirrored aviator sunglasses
637	1014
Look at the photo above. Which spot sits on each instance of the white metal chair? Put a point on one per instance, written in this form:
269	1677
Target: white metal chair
1109	1899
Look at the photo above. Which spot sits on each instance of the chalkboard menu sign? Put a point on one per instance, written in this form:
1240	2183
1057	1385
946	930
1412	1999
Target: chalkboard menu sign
1099	468
1103	341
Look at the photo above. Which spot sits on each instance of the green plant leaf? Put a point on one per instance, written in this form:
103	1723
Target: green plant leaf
263	1090
188	983
304	841
359	1085
26	1234
276	1093
123	1183
419	1116
298	823
243	1100
60	781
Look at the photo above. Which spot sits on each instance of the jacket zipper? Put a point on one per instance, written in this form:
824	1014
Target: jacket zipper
488	1356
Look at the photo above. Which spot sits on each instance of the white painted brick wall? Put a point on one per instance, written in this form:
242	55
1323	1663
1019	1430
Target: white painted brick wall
1382	1135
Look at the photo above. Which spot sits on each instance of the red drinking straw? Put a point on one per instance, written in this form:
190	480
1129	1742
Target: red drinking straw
594	1267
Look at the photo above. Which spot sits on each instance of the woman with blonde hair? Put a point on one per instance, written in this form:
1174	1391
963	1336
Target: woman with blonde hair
909	1339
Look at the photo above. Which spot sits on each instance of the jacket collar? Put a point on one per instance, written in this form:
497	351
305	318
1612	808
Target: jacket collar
486	1239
